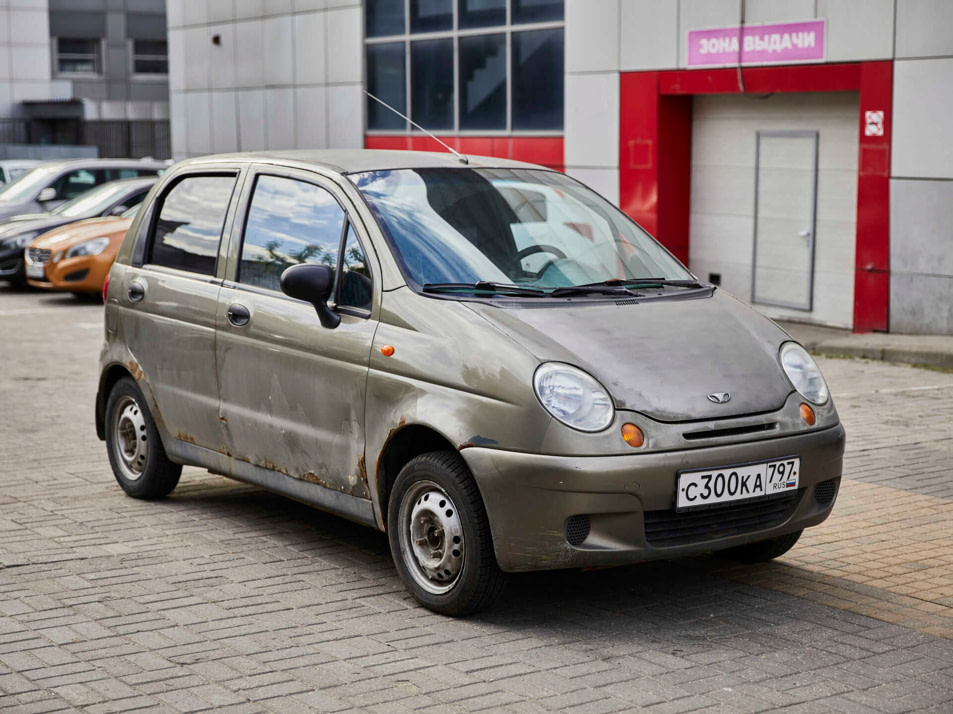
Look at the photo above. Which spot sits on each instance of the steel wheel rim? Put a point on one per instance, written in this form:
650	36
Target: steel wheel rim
130	438
431	537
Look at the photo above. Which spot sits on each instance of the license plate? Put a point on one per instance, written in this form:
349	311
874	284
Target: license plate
734	483
37	271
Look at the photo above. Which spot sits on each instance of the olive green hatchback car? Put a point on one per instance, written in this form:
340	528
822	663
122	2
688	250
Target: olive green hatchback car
483	358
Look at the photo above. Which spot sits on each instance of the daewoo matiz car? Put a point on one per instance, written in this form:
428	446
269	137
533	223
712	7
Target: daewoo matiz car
484	359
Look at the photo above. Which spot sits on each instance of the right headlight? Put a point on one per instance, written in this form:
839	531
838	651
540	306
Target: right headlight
804	373
573	397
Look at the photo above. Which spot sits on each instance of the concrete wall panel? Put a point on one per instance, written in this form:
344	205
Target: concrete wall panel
922	107
921	304
858	31
649	35
592	120
921	227
923	28
592	35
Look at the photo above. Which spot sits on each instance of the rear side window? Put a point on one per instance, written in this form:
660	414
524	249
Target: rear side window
189	227
289	222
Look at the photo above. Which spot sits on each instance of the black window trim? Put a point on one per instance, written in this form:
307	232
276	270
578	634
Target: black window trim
234	281
156	208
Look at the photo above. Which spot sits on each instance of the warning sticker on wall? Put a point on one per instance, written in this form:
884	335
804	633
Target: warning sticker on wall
874	123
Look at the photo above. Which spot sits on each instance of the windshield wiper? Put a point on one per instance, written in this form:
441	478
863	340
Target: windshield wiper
482	286
596	289
643	283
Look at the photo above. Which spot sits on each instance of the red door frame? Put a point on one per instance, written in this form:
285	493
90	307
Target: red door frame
655	158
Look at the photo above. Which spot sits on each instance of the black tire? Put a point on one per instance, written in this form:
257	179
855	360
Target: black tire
138	460
475	580
763	550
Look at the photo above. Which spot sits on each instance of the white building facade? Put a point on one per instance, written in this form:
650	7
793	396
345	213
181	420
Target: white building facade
793	151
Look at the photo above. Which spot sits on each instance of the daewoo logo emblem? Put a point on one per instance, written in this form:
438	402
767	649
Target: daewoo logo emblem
719	397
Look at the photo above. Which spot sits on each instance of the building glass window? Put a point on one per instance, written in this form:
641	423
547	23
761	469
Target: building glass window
465	65
431	64
77	55
150	57
482	13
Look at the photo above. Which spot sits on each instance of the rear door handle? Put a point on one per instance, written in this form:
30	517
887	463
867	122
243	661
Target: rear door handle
238	315
136	292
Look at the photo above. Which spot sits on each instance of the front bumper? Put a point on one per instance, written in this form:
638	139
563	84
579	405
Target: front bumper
531	501
82	274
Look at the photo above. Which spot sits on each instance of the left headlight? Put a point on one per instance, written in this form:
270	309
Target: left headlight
89	247
804	373
573	397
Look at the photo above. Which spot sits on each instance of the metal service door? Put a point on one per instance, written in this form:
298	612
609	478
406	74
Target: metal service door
784	219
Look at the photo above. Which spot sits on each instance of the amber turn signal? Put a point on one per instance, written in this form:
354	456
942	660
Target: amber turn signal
387	350
633	435
807	414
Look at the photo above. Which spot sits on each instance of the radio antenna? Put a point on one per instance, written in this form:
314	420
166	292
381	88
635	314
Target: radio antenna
462	158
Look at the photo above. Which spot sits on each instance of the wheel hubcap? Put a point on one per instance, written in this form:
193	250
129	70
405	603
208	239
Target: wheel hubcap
431	537
131	441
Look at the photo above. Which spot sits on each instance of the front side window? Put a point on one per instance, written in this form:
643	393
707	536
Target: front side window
532	228
189	227
289	222
355	287
150	57
76	55
465	65
78	182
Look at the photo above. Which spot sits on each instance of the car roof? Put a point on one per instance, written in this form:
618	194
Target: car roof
105	163
350	161
20	162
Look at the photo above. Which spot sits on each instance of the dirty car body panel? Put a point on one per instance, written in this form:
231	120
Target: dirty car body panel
245	381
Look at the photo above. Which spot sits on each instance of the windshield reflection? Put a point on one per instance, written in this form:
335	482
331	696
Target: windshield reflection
523	227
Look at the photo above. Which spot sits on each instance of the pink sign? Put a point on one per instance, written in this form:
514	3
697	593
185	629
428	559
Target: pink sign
785	43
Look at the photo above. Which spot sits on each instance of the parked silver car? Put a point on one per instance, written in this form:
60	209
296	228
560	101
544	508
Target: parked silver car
486	360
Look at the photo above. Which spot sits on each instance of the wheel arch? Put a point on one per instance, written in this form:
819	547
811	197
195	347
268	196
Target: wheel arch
107	380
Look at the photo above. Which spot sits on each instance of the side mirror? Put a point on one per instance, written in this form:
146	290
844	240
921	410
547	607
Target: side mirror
47	194
312	283
118	210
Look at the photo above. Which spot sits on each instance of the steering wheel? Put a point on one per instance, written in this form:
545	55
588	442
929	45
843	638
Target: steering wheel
538	248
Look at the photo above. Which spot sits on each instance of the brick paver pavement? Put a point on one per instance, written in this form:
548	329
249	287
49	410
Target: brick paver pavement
223	597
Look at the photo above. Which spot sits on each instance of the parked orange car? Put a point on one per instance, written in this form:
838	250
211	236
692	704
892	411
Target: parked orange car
77	257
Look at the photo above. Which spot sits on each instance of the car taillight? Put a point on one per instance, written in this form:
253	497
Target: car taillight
106	289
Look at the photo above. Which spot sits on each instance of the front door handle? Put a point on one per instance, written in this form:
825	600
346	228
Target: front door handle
136	292
238	315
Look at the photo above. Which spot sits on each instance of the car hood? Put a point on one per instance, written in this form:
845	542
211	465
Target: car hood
13	208
40	225
661	357
73	233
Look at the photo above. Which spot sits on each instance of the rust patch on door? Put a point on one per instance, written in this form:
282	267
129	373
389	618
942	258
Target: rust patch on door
183	436
135	370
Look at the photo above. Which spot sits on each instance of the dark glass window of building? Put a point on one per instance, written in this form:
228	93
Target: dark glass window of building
537	89
386	79
431	72
77	55
150	57
483	82
481	13
431	15
536	11
384	17
465	65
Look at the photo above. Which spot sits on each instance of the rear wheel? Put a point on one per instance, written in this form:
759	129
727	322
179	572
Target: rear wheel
440	536
138	460
763	550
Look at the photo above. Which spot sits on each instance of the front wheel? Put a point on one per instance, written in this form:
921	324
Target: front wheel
138	460
763	550
440	536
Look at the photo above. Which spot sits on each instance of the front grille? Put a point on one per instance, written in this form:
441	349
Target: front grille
731	431
577	529
668	528
824	492
38	255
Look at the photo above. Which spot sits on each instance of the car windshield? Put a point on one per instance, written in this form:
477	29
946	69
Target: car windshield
28	185
531	228
92	202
